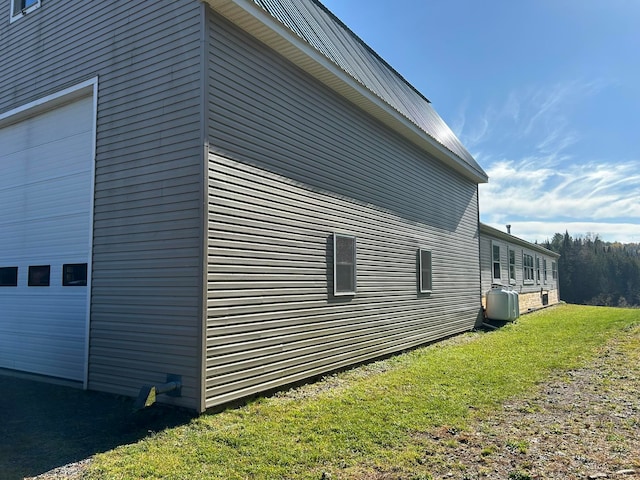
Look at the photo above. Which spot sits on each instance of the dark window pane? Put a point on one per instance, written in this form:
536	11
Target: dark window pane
425	270
344	250
74	275
344	278
496	270
9	277
39	275
345	264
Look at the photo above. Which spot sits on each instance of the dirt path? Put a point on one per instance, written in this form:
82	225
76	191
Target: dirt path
585	425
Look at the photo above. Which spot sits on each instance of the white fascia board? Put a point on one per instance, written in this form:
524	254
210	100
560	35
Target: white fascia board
261	25
507	237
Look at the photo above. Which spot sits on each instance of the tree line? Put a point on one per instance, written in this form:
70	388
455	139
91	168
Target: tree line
593	272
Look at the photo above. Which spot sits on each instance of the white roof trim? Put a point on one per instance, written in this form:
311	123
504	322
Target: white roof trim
261	25
507	237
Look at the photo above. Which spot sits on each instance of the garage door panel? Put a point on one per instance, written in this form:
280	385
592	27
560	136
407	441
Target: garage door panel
34	164
58	237
46	176
47	127
47	199
51	315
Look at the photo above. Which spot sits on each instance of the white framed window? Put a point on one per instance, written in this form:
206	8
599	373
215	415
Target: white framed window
496	267
424	261
537	270
20	8
344	264
544	270
527	268
512	266
554	270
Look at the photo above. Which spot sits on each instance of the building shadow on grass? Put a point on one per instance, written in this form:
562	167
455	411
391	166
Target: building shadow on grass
44	426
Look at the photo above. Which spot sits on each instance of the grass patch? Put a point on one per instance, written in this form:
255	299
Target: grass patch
376	418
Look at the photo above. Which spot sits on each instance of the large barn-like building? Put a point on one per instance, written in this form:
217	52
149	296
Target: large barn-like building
237	193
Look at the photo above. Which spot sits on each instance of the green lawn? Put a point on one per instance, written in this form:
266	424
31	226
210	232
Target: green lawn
376	416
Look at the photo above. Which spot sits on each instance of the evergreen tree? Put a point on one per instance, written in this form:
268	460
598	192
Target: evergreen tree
595	272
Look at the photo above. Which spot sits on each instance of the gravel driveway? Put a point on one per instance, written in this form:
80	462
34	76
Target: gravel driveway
45	426
584	424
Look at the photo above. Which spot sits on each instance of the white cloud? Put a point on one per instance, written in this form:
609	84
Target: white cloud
530	189
529	144
535	231
537	119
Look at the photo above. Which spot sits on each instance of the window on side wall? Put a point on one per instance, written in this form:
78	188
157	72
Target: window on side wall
20	8
344	264
527	268
554	270
496	268
538	270
425	270
544	270
512	266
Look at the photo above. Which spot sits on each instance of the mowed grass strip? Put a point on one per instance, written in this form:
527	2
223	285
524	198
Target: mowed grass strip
374	417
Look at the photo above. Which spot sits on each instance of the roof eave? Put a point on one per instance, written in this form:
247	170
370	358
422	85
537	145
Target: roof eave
259	24
494	232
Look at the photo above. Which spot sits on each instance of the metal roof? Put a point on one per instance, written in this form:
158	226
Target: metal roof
318	27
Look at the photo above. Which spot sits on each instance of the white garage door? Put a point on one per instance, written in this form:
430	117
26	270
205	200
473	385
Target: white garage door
46	175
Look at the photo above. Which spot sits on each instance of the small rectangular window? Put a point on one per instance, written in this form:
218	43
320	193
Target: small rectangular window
512	266
9	277
544	270
495	258
39	275
527	268
19	8
344	264
554	270
538	270
425	271
74	275
496	261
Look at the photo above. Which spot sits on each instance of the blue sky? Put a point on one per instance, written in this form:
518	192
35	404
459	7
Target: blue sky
544	93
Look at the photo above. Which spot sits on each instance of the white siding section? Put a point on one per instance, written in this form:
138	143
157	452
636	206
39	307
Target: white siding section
520	247
46	175
290	164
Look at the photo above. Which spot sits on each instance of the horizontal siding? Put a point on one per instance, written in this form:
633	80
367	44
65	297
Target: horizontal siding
486	266
290	164
271	316
251	126
318	27
146	285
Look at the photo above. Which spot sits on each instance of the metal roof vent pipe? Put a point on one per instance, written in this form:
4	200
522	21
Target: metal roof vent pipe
509	229
148	393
